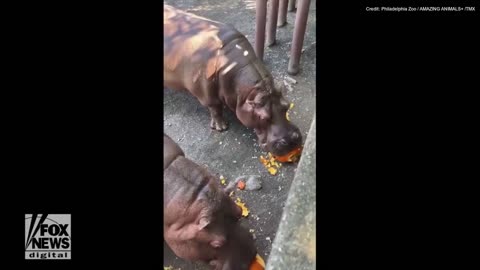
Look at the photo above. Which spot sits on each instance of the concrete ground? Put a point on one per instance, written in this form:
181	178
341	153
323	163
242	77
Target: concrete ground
234	152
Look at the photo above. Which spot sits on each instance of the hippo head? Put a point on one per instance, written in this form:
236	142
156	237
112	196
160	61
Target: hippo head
216	219
264	110
238	253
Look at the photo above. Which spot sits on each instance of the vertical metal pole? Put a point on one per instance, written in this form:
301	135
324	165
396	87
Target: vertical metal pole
282	13
298	35
272	22
291	5
261	16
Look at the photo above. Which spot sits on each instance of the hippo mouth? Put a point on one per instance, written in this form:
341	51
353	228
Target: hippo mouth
279	147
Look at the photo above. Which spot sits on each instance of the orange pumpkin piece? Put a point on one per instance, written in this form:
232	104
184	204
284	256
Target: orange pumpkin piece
245	210
263	161
270	164
257	264
292	156
272	170
241	185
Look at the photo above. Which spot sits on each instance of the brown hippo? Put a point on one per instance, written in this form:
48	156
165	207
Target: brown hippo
217	64
200	219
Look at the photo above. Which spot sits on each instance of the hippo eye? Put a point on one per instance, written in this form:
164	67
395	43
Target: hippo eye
261	101
257	105
203	223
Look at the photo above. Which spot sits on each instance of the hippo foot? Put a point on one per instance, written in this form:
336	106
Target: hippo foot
219	125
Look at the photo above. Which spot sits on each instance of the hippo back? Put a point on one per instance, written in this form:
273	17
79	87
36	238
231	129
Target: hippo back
190	48
170	151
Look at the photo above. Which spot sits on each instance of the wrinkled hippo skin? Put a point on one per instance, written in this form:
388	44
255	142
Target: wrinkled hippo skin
200	219
217	64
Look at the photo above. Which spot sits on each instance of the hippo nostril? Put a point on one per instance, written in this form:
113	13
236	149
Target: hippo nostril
296	137
279	146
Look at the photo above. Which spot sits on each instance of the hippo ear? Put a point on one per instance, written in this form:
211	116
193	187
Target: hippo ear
203	222
234	210
249	105
237	211
250	102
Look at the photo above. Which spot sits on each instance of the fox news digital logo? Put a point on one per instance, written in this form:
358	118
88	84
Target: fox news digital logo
48	237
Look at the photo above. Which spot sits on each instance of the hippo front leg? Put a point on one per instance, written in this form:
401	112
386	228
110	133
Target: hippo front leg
217	122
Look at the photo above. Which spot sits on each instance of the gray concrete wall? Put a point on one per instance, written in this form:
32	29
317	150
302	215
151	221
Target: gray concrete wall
295	243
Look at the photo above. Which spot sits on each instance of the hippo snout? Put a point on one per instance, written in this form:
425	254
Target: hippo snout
239	252
287	143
